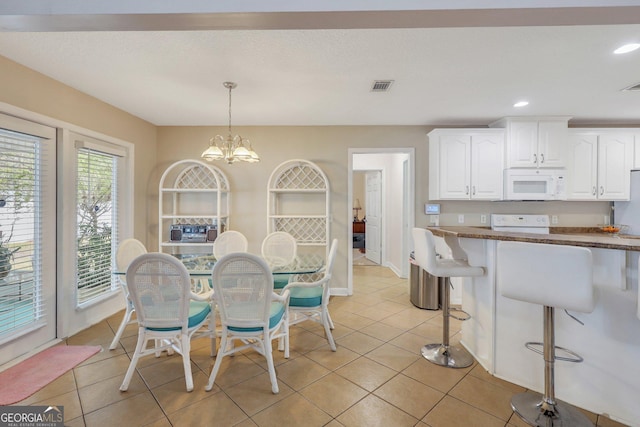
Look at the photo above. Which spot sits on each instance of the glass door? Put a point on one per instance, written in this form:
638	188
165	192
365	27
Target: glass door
27	236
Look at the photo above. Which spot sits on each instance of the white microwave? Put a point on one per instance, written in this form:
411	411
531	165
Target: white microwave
534	184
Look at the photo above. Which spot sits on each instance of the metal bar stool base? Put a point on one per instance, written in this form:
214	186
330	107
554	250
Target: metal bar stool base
528	406
450	356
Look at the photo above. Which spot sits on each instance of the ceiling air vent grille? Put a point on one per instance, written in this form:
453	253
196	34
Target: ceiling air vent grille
381	85
633	87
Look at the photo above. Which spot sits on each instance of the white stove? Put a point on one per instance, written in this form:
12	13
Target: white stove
538	224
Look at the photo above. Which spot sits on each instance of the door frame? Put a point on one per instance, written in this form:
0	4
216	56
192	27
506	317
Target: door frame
409	197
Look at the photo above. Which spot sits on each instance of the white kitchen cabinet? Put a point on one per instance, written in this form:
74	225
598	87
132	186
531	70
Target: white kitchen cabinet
535	142
599	164
466	164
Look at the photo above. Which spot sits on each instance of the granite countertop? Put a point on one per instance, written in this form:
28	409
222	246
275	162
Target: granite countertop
590	237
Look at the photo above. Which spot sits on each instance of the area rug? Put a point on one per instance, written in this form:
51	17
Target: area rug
27	377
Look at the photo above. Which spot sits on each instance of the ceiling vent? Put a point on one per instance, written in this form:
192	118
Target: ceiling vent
633	87
381	85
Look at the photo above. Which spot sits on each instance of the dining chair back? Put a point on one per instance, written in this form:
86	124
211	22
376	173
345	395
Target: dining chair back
279	248
250	312
309	300
229	242
168	311
127	251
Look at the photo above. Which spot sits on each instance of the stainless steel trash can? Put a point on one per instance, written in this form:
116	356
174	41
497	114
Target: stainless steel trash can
424	291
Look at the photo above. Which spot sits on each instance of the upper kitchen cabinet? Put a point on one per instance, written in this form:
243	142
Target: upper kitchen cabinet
466	164
599	164
535	142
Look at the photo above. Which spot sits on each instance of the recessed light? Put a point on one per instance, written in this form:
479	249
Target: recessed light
521	104
627	48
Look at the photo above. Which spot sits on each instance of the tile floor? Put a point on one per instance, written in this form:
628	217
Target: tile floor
376	378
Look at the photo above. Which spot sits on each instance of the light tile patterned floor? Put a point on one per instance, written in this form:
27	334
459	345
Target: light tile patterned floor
376	378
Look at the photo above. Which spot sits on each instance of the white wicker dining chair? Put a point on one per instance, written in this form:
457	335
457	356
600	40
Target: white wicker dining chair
309	300
279	249
229	242
127	251
250	312
168	311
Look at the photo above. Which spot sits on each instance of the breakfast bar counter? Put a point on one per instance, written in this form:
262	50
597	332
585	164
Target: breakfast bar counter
608	381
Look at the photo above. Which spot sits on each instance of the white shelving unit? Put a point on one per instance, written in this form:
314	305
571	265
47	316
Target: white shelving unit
192	192
298	202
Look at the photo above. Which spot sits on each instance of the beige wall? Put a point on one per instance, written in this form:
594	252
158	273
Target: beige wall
326	146
26	89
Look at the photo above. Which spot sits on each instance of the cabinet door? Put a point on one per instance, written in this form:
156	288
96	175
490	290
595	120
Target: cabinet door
582	167
552	142
615	153
455	165
487	166
522	144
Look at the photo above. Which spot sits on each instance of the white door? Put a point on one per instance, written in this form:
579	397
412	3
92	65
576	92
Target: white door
374	216
455	166
27	224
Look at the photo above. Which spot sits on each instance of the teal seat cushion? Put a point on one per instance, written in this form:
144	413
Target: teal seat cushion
198	311
305	297
275	315
280	280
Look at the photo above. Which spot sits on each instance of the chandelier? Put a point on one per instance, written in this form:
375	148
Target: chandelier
233	148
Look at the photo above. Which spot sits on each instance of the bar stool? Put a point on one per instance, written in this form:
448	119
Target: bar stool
553	276
443	354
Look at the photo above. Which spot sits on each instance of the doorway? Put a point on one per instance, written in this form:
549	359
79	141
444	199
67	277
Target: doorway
389	176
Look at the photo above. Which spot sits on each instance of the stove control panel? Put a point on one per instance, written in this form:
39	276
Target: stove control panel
518	221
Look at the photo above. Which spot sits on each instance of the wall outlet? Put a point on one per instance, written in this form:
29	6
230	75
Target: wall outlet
483	219
554	219
606	220
460	219
434	220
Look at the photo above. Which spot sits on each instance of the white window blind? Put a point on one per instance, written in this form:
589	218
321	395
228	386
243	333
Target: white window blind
21	166
97	223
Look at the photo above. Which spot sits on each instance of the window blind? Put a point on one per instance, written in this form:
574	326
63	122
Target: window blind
21	166
97	224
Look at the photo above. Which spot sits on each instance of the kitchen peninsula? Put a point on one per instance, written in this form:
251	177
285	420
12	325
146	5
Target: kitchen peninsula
607	381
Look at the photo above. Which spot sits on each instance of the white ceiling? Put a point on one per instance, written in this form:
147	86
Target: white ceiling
443	75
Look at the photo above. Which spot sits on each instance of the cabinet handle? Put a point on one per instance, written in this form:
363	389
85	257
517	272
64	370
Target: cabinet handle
601	190
535	158
541	157
467	190
474	190
594	190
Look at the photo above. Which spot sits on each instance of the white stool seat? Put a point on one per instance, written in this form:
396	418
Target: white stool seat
454	268
427	258
553	276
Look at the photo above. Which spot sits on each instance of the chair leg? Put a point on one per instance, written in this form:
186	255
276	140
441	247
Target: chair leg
216	365
330	321
125	321
326	322
142	340
266	345
545	410
450	356
185	349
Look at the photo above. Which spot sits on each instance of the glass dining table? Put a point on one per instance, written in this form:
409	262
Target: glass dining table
200	265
